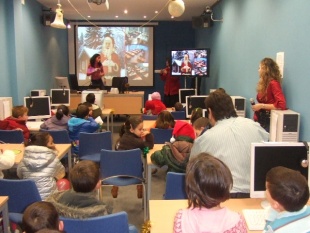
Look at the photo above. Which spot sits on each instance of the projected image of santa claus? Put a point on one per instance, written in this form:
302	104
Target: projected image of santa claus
109	58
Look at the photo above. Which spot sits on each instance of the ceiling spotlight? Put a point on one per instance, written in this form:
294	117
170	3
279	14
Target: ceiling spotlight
176	8
59	21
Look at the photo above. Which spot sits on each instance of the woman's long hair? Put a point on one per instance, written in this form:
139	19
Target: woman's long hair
93	60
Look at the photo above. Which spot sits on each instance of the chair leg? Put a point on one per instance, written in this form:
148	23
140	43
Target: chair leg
114	191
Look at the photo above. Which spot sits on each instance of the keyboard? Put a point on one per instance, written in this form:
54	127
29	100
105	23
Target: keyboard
255	219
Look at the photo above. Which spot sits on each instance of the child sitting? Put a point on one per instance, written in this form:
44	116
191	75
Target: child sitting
58	121
154	106
287	191
178	107
133	136
81	123
196	113
40	163
208	183
176	154
41	215
81	201
17	121
90	98
164	120
201	125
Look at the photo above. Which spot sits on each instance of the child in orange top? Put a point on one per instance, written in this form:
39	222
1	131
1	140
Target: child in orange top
17	121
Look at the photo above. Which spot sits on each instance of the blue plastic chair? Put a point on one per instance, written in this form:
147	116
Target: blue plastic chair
11	136
59	136
161	135
149	117
92	143
112	223
122	168
21	194
175	186
179	115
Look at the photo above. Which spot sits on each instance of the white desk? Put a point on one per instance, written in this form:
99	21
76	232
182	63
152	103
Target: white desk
109	112
162	212
5	212
62	149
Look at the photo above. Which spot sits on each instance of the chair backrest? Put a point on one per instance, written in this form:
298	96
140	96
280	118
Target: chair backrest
11	136
93	143
175	186
149	117
59	136
21	193
179	115
112	223
161	135
122	162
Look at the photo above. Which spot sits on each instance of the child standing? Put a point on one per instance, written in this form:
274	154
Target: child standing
40	163
81	123
176	154
17	121
208	183
288	193
59	121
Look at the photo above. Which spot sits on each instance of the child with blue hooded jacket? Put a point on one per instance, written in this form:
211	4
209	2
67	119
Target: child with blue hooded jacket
81	123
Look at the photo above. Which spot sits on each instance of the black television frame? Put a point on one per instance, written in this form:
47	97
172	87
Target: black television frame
198	63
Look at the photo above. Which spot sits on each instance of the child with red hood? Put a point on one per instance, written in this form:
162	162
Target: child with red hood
154	106
176	153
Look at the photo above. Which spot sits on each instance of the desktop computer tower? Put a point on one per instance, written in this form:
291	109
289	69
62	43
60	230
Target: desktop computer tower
239	104
284	126
38	93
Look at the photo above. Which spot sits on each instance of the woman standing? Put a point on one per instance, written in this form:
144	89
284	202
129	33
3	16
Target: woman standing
95	70
269	92
172	86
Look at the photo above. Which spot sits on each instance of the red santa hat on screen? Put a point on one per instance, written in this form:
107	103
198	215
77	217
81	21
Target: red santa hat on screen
182	128
155	96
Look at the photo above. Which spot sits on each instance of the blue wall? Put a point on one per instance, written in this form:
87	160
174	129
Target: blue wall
31	54
252	30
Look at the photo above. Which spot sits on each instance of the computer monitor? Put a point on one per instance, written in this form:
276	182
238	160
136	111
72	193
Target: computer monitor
39	107
60	96
267	155
195	101
62	82
119	82
186	92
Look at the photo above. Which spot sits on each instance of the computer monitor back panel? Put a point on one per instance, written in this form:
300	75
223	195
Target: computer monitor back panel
60	97
186	92
284	126
5	107
239	104
98	97
193	102
265	156
39	107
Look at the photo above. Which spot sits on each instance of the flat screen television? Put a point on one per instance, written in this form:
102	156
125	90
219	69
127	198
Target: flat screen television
62	83
60	96
190	62
267	155
195	101
39	107
186	92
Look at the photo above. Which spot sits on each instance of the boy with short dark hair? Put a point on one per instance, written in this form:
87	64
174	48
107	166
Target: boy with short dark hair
81	201
41	215
17	121
81	123
287	191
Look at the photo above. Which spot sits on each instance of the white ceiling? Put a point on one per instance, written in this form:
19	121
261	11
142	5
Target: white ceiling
137	9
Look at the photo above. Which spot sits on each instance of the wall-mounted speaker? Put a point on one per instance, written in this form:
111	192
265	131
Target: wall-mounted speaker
203	21
48	18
